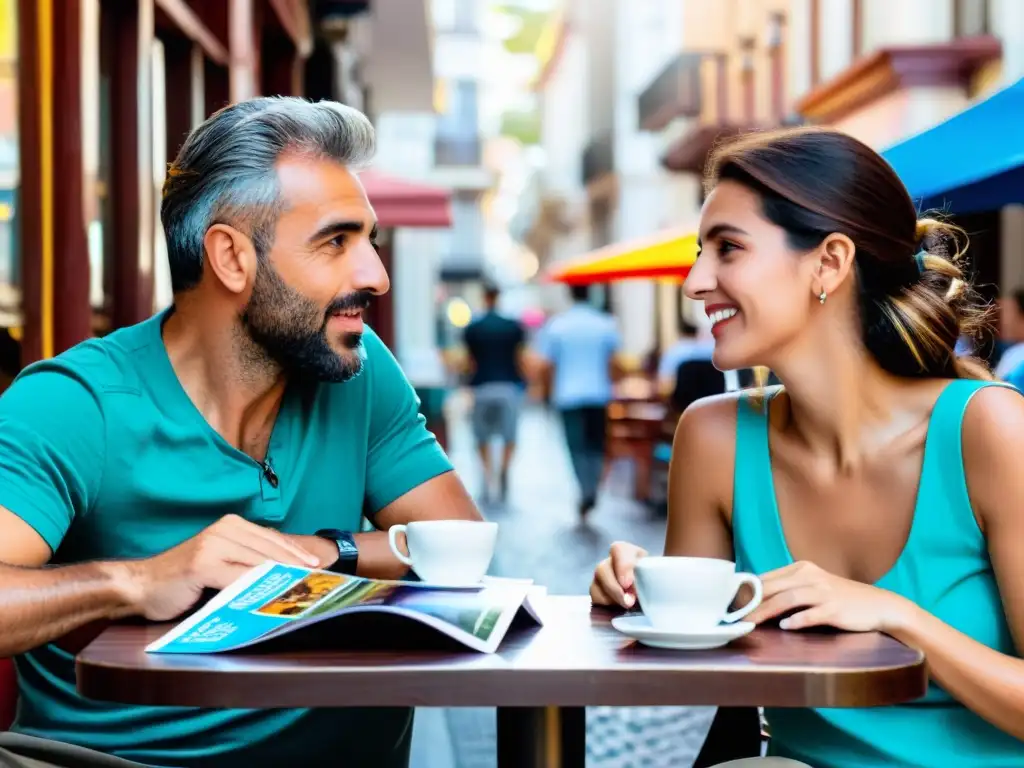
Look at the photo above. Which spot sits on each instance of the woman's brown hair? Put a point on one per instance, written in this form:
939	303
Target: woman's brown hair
915	299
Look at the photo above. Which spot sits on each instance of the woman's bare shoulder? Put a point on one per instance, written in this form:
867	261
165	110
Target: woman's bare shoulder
711	421
704	457
706	434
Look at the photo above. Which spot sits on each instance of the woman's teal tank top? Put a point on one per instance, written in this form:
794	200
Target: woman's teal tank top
944	568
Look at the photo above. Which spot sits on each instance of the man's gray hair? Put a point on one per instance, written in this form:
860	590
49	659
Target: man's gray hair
225	171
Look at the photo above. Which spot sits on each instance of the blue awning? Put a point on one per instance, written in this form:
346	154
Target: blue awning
974	161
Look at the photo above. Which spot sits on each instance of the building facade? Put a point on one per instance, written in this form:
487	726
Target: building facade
660	83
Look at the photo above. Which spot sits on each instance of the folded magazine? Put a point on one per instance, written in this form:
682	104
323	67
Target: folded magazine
272	600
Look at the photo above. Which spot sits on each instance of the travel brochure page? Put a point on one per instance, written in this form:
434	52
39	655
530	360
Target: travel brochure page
273	599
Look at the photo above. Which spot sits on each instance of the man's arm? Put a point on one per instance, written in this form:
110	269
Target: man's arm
39	604
616	368
52	452
441	498
408	475
52	443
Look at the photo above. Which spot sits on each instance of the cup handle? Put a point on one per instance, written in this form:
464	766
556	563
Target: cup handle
393	532
739	613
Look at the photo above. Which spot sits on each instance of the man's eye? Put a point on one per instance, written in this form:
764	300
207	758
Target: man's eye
337	242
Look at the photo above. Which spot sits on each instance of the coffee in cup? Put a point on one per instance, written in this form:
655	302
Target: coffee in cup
679	594
450	552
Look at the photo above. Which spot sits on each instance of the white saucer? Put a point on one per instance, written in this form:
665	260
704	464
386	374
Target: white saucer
639	628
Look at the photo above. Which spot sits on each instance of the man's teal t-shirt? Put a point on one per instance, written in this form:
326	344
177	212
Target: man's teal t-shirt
103	453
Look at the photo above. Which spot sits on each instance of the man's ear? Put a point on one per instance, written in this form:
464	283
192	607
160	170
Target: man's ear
231	257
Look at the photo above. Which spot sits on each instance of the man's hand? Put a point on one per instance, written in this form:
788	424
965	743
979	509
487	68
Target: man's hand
166	585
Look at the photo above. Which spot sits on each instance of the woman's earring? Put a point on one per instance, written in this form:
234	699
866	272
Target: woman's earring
822	296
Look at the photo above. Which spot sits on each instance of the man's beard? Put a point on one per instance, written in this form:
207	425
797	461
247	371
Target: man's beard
290	331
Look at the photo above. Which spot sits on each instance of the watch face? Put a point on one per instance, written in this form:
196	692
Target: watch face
346	548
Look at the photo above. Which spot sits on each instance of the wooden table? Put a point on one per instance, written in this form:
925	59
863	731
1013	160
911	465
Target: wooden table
540	680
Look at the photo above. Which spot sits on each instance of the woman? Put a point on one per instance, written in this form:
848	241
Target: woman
879	487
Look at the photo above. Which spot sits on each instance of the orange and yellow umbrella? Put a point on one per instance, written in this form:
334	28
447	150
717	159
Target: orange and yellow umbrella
666	256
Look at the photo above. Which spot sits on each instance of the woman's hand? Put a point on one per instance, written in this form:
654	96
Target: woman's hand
827	600
613	578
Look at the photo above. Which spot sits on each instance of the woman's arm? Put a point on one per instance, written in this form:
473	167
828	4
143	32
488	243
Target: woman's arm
700	480
986	681
699	495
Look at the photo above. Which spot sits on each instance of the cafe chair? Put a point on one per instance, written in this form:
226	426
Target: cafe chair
735	733
8	693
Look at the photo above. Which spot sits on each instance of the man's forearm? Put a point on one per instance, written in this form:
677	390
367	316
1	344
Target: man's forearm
376	560
38	605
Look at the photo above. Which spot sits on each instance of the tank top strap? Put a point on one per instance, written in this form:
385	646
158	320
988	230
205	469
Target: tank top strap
758	540
943	481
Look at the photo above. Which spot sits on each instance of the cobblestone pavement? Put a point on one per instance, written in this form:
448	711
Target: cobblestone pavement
541	538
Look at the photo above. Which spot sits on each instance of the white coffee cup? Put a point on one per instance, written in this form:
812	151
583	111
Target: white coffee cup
451	552
679	594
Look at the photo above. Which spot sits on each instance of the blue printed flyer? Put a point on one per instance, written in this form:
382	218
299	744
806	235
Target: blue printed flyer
273	599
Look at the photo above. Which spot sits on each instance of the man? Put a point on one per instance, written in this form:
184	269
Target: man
172	456
693	344
495	344
580	345
1011	357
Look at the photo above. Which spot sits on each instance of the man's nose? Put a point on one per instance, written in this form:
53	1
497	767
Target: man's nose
370	273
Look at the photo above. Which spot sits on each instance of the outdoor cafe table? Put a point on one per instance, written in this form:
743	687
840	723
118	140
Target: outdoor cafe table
539	680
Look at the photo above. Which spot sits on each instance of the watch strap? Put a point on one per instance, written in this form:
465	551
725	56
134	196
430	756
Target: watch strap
348	551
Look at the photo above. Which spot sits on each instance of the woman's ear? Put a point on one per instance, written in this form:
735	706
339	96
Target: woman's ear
836	254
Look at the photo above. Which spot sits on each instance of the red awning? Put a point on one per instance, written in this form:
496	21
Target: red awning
401	203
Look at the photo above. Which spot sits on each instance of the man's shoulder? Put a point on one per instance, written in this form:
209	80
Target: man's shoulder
101	365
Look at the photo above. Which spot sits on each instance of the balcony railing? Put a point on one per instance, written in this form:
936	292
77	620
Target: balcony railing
675	92
598	158
457	151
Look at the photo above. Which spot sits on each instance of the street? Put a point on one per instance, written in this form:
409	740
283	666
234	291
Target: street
541	538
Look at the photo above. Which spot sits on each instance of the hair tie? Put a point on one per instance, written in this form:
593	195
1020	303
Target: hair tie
919	258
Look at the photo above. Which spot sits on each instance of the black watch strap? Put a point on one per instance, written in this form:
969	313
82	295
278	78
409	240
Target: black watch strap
348	552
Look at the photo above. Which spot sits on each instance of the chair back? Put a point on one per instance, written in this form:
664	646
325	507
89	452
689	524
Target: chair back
695	379
8	693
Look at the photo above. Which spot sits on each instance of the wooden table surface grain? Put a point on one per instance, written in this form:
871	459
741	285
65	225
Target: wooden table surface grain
576	659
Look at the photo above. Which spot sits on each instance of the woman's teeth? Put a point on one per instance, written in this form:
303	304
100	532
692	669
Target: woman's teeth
722	314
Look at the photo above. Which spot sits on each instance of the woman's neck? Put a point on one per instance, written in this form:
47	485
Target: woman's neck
842	405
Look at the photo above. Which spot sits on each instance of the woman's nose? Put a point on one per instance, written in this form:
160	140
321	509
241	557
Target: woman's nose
701	279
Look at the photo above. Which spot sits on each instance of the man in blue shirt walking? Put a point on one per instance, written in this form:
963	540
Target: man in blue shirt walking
580	346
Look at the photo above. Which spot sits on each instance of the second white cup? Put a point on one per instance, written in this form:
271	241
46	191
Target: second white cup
679	594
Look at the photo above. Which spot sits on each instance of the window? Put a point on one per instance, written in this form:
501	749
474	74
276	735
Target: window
10	262
457	15
970	18
461	115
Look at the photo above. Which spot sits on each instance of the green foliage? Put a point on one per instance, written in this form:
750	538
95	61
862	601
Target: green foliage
521	125
531	27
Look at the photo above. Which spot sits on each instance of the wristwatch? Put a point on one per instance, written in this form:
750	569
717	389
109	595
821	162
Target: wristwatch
348	552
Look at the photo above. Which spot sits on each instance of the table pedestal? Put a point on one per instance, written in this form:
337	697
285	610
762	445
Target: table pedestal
542	737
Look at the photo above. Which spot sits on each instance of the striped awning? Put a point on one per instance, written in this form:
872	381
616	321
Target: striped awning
666	256
401	203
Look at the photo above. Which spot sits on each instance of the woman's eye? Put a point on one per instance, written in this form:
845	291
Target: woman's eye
726	247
